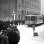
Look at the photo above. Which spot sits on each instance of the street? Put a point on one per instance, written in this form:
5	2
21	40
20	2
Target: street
26	35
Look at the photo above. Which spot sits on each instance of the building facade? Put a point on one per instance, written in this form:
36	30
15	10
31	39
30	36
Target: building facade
20	7
27	7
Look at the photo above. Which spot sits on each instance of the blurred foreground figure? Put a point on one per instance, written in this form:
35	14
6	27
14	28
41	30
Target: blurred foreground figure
4	39
13	35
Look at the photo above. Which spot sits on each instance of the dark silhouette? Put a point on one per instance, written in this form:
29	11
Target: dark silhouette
13	36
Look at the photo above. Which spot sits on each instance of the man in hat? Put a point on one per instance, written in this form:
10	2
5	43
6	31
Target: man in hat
13	35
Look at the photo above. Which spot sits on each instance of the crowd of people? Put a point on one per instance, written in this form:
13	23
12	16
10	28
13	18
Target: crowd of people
9	34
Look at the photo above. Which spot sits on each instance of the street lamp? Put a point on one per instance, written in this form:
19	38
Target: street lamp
13	16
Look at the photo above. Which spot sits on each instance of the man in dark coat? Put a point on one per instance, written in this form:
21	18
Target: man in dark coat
4	39
13	36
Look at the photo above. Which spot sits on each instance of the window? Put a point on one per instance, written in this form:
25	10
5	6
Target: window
22	2
33	18
28	18
25	11
22	14
19	6
25	3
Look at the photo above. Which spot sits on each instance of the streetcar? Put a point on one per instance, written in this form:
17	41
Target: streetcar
33	19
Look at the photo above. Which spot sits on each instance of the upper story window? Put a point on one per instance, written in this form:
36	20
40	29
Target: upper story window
25	3
35	1
19	6
22	2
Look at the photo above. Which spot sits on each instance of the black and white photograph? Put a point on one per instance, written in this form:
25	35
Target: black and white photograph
21	21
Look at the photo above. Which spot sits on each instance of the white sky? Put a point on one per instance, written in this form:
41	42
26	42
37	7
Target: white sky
42	6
